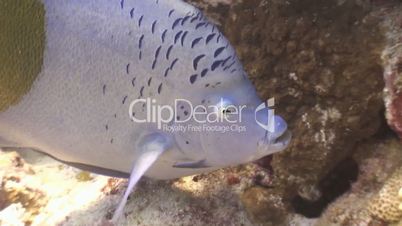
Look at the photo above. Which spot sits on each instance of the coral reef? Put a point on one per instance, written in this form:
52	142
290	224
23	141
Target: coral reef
14	189
377	160
387	203
321	60
37	190
259	201
392	57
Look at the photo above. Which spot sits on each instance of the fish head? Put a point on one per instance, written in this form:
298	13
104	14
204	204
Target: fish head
232	126
225	121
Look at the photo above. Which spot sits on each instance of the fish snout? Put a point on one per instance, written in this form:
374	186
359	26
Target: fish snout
274	126
280	129
277	136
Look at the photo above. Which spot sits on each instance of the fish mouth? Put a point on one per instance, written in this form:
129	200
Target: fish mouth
283	139
267	147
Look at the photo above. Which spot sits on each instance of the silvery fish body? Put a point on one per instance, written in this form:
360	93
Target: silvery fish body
102	55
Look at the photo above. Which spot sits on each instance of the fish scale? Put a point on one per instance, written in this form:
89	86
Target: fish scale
173	36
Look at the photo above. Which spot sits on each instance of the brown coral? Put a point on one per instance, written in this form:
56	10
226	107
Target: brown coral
386	205
321	62
15	192
400	199
392	57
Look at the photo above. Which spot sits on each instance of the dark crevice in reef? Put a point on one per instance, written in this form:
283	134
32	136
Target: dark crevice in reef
339	180
336	183
384	132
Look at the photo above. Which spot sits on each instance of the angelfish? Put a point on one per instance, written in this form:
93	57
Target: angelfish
88	63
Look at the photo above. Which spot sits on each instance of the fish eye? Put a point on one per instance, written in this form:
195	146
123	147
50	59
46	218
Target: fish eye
226	110
225	106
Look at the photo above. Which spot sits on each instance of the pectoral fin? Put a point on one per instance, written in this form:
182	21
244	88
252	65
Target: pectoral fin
151	146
